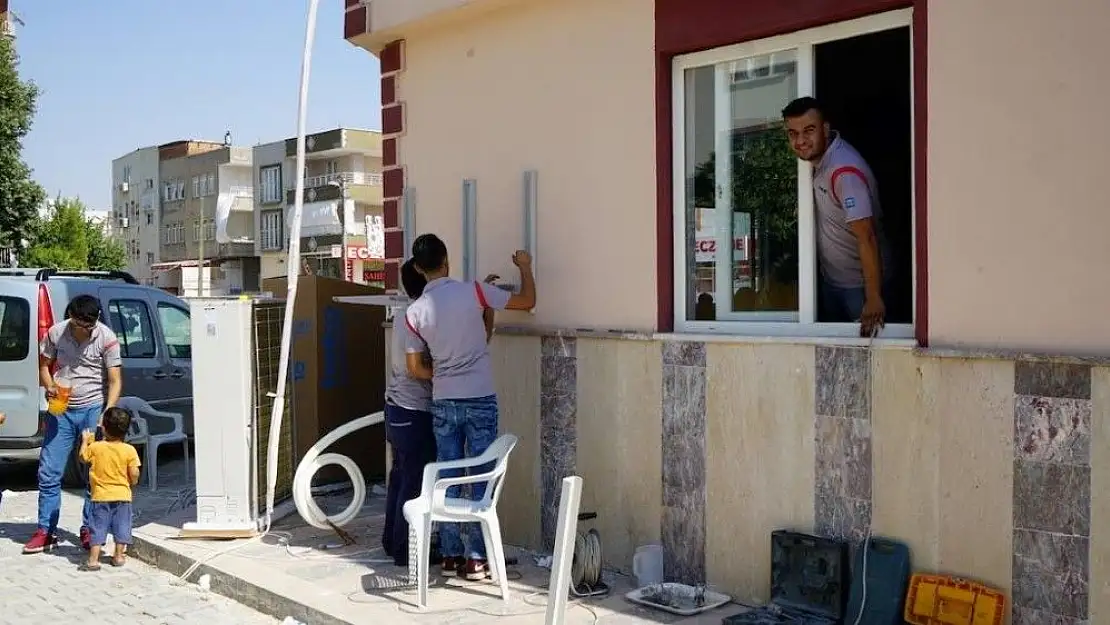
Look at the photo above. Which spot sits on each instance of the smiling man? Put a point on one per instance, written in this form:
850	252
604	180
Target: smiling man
852	250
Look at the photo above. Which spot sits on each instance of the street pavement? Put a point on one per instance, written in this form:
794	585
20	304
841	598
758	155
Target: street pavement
48	588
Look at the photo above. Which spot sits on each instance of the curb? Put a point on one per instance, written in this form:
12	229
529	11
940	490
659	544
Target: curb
230	586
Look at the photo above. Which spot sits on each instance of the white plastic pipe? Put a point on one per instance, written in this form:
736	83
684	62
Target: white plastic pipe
558	588
294	263
314	460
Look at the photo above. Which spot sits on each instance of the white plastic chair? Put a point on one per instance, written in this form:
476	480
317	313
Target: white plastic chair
140	435
434	505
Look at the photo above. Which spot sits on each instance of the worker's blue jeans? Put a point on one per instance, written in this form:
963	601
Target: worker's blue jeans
464	428
63	435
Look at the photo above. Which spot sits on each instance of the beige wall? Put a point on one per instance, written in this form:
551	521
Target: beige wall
1017	221
1016	230
566	88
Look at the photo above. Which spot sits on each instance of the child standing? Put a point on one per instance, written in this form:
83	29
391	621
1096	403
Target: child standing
113	470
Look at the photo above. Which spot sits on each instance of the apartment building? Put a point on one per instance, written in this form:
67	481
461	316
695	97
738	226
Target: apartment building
134	218
206	234
342	232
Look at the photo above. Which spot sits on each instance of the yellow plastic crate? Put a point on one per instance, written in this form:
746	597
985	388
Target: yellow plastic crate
947	600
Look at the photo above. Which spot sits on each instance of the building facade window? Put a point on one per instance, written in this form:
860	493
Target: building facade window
173	190
746	229
270	183
272	230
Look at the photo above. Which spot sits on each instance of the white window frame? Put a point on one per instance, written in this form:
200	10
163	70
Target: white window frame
272	230
196	186
789	324
270	190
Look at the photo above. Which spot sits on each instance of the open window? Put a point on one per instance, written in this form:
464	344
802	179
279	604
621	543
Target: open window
746	235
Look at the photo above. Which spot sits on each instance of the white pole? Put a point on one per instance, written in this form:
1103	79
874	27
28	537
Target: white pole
558	588
294	264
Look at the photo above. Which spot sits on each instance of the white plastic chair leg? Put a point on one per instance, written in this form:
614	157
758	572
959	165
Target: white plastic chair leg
152	465
185	445
495	552
423	556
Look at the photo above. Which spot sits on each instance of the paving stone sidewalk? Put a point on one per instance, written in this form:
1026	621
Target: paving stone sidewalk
48	588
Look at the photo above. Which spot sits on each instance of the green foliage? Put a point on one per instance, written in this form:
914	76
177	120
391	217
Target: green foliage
20	196
105	253
764	185
59	239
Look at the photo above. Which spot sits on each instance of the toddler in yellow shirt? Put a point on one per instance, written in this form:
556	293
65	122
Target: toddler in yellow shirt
113	470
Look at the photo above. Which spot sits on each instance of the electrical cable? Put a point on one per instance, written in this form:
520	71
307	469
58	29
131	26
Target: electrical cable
294	262
585	570
870	523
526	599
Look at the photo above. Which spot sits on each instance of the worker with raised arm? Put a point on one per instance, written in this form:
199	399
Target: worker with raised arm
852	249
451	322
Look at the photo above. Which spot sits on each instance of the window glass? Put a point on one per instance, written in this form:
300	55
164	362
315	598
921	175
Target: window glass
741	208
131	321
177	329
15	329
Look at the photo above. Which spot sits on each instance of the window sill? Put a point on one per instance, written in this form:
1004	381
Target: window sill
796	339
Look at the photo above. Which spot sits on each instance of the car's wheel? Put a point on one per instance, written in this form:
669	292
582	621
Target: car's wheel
76	475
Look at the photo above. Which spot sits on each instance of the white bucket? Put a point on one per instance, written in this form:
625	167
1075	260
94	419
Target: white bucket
647	565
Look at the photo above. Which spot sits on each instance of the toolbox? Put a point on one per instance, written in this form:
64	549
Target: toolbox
809	582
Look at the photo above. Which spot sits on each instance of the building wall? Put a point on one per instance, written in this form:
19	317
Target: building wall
272	262
135	205
1015	220
585	123
1005	229
991	469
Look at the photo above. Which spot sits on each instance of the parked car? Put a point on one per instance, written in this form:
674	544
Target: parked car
154	335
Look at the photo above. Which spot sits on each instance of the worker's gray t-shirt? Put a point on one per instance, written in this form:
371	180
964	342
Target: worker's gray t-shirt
844	191
403	390
85	364
448	319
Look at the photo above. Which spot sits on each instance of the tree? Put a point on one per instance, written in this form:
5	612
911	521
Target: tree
20	196
105	253
59	238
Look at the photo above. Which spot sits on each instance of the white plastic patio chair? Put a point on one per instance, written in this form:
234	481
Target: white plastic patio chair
433	505
141	412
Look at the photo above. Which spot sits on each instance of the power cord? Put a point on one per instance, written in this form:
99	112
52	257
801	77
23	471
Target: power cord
526	599
870	521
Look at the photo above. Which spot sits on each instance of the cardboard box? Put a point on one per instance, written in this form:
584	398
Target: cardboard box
338	370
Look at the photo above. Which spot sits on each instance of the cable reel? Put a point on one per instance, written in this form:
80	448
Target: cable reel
585	571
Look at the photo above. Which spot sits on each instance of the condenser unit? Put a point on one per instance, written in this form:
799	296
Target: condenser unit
236	351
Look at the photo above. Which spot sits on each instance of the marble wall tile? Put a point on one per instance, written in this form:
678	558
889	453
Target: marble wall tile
1051	572
1052	493
684	454
1052	429
558	427
1052	379
842	445
843	378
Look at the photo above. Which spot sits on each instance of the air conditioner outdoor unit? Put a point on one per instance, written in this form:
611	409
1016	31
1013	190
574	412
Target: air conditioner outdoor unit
124	186
124	222
236	347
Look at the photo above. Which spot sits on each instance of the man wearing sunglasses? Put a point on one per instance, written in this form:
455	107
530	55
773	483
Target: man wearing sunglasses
87	353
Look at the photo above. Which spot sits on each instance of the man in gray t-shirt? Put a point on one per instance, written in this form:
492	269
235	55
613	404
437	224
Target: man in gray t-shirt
452	321
852	249
82	354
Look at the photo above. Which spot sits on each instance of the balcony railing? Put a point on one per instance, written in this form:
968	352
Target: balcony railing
340	178
240	191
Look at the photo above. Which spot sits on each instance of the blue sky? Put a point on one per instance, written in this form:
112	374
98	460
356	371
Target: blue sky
124	74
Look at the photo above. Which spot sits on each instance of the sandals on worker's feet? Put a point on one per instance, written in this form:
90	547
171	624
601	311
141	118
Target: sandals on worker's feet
85	566
119	562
